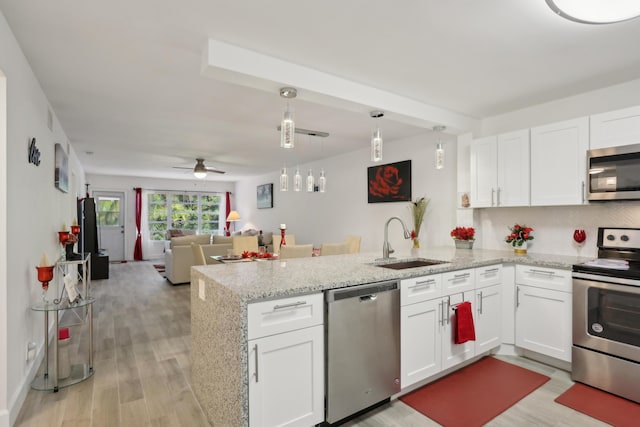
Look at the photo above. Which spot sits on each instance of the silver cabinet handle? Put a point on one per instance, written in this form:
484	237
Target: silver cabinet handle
440	313
293	304
582	192
548	273
517	296
491	270
459	276
480	305
493	192
448	316
422	283
255	348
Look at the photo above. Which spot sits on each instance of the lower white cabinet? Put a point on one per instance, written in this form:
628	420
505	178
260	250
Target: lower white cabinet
543	321
285	361
286	379
488	318
427	327
420	341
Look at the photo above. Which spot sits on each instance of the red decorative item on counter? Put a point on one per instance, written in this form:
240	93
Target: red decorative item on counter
75	230
579	236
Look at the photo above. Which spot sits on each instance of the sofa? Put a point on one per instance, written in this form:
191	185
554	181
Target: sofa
178	257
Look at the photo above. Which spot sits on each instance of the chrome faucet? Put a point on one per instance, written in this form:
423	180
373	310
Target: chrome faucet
386	246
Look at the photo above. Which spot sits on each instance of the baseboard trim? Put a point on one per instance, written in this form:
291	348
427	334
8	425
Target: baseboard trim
4	418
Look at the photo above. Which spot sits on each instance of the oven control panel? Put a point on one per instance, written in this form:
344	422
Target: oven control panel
626	238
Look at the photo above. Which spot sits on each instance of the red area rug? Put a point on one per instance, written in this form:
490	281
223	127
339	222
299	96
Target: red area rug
160	269
601	405
475	394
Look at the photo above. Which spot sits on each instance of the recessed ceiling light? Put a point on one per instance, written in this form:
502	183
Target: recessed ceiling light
596	11
89	153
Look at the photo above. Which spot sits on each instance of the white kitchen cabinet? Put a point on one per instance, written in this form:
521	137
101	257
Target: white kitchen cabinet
286	369
427	326
488	318
543	311
420	341
558	163
453	354
488	313
615	128
500	170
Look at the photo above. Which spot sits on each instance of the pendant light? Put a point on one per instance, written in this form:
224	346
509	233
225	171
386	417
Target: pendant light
596	11
376	139
322	181
297	180
287	126
310	182
439	148
284	180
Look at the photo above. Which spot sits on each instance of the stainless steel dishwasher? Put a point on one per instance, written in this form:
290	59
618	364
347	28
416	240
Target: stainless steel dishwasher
363	347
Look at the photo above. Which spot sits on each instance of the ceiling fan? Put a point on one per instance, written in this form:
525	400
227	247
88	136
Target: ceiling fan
200	170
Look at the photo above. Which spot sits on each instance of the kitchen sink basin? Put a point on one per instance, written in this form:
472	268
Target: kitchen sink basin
420	262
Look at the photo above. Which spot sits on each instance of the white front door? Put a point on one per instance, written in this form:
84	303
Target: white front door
110	221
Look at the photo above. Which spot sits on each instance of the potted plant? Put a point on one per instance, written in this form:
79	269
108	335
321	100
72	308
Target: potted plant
518	238
463	237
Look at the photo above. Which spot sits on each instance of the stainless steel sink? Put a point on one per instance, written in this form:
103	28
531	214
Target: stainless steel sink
420	262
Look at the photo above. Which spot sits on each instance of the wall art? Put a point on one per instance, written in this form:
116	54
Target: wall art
265	196
390	182
62	170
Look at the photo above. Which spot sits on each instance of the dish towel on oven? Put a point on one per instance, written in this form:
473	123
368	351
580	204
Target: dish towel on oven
464	330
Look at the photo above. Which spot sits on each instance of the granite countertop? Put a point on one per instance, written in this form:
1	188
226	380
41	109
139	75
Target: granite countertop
252	281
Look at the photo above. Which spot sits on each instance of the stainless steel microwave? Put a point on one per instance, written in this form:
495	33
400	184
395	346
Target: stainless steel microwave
614	173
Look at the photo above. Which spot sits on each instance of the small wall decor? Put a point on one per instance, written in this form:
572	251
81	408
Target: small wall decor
390	182
62	169
33	153
264	193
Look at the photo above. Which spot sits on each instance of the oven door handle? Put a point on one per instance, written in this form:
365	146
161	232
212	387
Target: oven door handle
601	281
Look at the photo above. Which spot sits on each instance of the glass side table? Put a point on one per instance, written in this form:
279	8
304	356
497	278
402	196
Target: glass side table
79	372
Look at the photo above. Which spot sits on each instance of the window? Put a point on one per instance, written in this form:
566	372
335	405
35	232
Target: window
108	211
183	211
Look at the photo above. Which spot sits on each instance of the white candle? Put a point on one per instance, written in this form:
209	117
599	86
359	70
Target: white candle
75	222
283	226
64	227
44	262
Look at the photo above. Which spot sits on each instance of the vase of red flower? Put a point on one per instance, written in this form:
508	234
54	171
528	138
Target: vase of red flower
518	238
463	237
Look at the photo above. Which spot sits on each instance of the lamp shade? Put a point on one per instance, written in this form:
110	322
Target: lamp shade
233	216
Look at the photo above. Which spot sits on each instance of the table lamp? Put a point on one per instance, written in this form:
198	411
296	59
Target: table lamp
233	217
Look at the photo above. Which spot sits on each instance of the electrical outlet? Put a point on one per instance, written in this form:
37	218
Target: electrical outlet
31	350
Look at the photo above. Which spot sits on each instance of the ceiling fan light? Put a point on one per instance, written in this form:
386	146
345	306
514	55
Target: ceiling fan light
596	11
200	175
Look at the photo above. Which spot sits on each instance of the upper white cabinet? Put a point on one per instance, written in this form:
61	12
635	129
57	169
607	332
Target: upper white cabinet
500	170
558	163
615	128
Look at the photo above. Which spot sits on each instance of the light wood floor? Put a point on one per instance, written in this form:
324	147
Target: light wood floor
142	374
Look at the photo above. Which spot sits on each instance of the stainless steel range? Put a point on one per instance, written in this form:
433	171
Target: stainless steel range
606	315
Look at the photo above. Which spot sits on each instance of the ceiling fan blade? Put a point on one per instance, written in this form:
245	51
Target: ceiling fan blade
215	170
182	167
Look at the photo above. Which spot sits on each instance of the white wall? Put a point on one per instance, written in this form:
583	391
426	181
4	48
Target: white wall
328	217
554	225
32	211
126	185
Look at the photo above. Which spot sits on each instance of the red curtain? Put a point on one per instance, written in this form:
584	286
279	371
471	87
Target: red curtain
137	251
228	203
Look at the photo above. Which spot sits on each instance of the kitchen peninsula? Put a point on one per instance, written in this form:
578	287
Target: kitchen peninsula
221	296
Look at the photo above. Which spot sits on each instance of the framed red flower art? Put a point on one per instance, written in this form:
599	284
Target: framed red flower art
390	182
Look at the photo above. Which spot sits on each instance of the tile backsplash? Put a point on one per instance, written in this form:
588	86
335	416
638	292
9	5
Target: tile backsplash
554	225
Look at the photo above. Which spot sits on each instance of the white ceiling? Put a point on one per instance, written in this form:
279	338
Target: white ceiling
124	77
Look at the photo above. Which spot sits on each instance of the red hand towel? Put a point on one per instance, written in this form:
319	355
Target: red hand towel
464	330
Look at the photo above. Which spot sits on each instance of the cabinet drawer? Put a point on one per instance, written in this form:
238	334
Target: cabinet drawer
458	281
488	276
547	278
420	289
282	315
